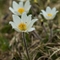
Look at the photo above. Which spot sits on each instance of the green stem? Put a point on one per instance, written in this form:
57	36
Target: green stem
24	40
51	30
51	35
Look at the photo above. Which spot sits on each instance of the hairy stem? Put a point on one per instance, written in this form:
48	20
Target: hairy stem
24	40
51	30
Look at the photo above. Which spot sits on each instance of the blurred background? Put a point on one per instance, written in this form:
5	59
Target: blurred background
39	49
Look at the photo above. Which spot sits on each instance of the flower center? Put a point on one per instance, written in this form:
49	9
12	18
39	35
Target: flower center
22	26
49	14
21	10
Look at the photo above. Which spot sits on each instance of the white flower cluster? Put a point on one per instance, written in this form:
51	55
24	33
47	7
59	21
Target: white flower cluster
25	23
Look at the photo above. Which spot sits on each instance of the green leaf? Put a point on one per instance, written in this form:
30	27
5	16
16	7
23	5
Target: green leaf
4	45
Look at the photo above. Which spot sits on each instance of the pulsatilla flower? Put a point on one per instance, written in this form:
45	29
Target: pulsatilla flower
49	14
23	24
18	9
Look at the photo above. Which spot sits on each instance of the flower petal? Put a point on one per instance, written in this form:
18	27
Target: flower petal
57	11
24	17
54	9
12	23
54	12
31	23
16	19
29	18
20	4
48	9
27	5
15	12
11	10
15	5
44	13
14	26
31	29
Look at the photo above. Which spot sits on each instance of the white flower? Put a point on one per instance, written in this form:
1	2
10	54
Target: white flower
18	9
49	14
23	24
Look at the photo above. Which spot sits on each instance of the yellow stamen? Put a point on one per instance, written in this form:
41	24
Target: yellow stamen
22	26
21	10
49	15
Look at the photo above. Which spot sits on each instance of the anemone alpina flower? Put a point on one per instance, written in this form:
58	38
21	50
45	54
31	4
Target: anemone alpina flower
19	8
23	24
49	14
